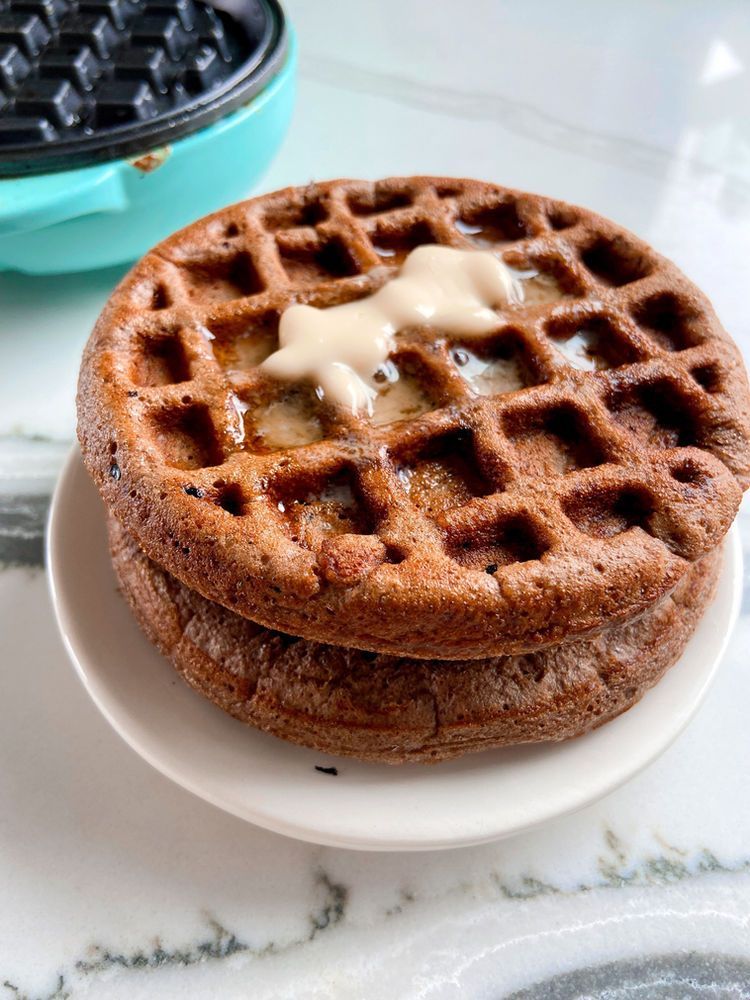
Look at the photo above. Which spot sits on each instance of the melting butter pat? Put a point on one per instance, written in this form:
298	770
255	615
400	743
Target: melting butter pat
340	349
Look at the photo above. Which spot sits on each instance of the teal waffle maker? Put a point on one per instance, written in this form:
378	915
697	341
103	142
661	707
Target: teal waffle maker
123	120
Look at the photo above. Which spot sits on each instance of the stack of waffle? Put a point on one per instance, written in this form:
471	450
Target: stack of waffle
512	547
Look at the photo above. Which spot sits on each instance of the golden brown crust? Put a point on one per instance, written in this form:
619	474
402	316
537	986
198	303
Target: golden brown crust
396	710
581	499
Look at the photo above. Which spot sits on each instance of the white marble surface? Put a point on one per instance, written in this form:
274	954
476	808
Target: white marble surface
118	884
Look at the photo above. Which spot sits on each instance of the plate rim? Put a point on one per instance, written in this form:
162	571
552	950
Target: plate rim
733	567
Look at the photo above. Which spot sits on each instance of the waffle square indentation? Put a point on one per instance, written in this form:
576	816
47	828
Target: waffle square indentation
615	262
160	360
222	280
553	441
591	344
442	474
185	437
655	414
328	259
510	538
610	512
489	226
669	320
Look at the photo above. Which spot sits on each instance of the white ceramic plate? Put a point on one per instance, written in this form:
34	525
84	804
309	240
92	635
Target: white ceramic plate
368	806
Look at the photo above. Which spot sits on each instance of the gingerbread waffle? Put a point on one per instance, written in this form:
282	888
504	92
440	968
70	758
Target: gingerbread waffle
395	710
572	491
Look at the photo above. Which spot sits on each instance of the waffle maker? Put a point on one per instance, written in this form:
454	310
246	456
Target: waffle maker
123	120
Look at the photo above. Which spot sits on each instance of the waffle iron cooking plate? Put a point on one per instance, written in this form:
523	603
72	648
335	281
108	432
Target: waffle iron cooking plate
144	112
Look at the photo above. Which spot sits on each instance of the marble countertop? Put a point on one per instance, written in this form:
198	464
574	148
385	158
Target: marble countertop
118	884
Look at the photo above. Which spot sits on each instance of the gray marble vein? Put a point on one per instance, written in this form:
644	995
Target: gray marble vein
615	872
58	992
662	977
219	943
22	523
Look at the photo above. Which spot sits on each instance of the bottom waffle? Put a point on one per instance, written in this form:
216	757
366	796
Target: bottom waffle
396	710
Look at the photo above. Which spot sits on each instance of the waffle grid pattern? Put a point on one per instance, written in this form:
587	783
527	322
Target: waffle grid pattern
561	468
70	69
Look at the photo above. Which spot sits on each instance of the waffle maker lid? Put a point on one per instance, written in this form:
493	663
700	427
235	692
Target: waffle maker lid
86	81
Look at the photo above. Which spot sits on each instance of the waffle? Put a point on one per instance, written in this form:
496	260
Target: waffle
482	523
395	710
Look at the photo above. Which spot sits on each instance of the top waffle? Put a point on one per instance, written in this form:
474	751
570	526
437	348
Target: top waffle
510	491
